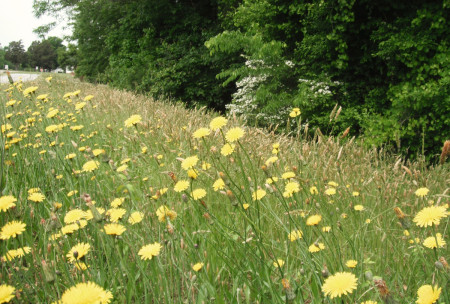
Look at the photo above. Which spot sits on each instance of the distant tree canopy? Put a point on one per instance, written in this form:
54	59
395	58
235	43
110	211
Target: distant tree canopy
44	53
15	53
386	63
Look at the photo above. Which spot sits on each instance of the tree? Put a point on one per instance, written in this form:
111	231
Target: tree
43	54
67	57
15	53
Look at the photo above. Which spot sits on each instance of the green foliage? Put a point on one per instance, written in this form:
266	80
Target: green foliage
16	54
44	53
67	57
384	62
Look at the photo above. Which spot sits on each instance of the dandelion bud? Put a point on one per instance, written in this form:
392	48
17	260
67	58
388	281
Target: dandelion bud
230	195
399	213
97	216
368	275
184	197
439	265
285	283
48	274
302	271
264	167
86	197
325	273
443	262
382	288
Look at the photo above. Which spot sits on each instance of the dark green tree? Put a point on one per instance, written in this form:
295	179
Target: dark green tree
15	53
67	56
42	54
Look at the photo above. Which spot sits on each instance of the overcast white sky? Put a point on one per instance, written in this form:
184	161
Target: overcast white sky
17	22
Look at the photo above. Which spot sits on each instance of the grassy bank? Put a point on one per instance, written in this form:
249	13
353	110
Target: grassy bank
131	194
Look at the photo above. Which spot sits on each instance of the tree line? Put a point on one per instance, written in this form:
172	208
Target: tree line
47	54
385	64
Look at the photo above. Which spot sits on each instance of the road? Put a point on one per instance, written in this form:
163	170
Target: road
18	76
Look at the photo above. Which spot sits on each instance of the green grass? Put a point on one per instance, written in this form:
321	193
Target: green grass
237	246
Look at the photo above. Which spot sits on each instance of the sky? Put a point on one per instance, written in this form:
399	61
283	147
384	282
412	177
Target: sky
17	22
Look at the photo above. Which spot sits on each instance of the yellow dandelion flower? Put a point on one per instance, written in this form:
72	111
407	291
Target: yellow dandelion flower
12	229
86	293
258	194
271	160
333	184
197	267
78	252
430	242
192	173
133	120
88	98
326	229
359	207
163	212
135	217
7	292
117	202
72	193
313	190
189	162
74	216
313	220
430	215
80	105
295	235
290	189
271	180
245	206
316	247
7	202
351	263
91	166
70	156
181	185
147	252
52	113
36	197
421	192
218	123
339	284
295	112
71	228
227	149
198	193
428	294
219	184
206	166
234	134
330	191
114	229
97	152
201	133
116	214
369	302
288	175
122	168
355	193
278	263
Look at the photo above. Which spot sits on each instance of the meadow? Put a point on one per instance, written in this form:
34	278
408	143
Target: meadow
112	197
